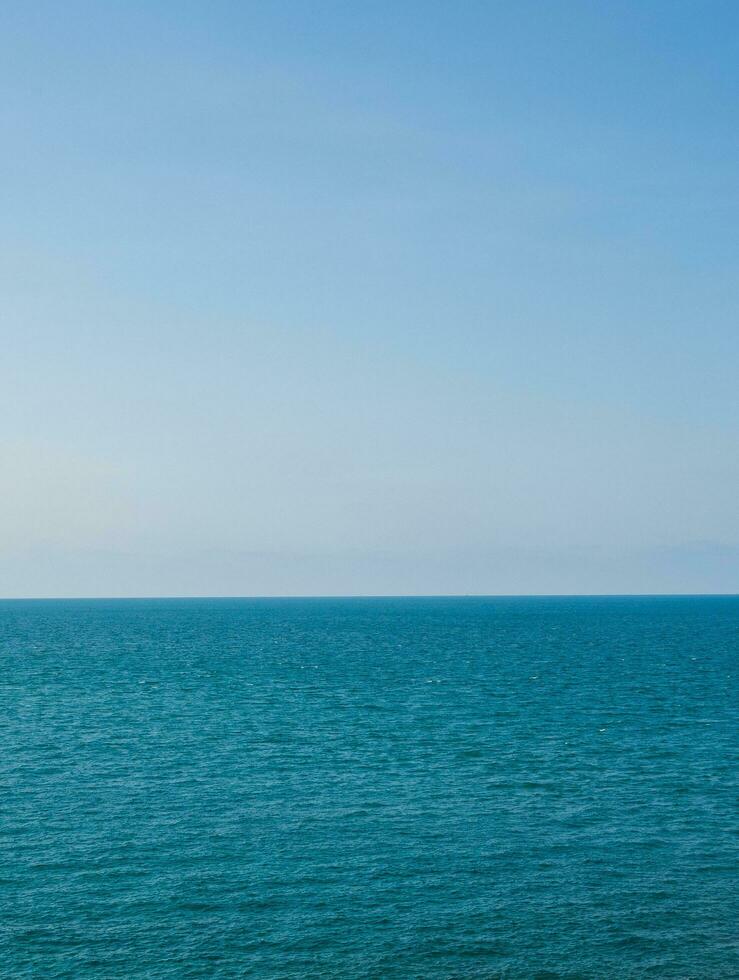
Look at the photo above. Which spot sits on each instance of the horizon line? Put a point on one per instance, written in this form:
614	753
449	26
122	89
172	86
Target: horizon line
375	595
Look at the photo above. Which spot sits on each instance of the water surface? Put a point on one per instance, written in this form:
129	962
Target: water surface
431	788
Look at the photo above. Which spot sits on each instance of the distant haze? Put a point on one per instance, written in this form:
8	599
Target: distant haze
369	298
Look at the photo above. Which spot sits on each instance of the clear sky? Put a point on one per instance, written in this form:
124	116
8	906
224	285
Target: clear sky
369	297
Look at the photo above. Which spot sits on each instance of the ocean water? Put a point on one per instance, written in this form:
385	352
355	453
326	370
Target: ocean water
401	788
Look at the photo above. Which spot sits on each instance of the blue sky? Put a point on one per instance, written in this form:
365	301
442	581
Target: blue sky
305	298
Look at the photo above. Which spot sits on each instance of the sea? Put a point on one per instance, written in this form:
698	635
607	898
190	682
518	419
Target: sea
369	788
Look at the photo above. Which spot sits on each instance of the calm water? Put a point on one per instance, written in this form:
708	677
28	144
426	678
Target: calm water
369	788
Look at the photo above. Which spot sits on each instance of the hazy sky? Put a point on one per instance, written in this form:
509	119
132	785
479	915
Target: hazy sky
369	297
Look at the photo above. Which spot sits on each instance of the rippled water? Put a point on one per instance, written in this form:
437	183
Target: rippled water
369	788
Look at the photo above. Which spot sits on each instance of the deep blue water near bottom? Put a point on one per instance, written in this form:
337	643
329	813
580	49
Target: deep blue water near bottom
400	788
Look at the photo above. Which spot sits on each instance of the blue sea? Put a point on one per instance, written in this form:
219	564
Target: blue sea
369	788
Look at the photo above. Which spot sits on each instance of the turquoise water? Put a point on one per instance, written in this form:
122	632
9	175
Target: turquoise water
398	788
